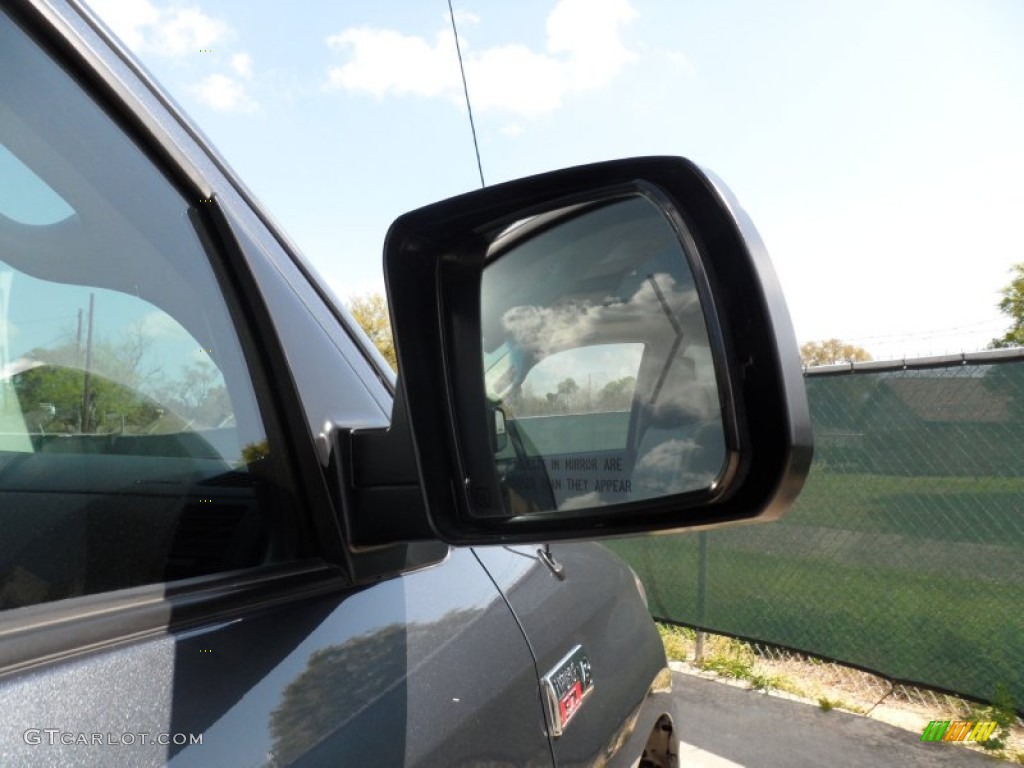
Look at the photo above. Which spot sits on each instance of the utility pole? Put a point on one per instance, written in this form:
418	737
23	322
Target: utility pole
87	383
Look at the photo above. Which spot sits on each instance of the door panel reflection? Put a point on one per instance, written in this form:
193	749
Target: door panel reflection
424	669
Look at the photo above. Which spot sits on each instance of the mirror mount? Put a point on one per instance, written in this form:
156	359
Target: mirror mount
377	483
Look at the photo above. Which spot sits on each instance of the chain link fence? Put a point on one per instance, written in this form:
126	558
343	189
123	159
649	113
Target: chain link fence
904	555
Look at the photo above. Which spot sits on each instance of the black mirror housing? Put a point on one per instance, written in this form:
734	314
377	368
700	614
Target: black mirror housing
434	262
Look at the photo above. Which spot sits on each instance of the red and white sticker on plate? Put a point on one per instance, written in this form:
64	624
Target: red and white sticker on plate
566	686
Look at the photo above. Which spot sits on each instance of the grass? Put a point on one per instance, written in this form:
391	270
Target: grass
1002	711
724	656
678	641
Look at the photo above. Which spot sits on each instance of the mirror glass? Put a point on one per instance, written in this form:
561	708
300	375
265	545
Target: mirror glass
596	351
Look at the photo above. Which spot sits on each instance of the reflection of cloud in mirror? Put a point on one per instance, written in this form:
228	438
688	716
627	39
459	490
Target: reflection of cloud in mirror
540	331
584	501
669	468
664	316
688	393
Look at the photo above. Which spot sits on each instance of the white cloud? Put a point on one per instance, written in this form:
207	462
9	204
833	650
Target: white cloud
223	93
182	31
174	32
466	19
587	31
127	18
681	63
583	51
386	62
179	31
241	63
515	79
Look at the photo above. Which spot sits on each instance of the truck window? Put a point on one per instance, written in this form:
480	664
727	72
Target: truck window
132	450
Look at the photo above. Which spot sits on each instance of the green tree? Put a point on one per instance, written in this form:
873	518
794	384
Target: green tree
1012	305
371	312
831	351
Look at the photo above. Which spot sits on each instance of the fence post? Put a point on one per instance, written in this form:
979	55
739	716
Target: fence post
702	593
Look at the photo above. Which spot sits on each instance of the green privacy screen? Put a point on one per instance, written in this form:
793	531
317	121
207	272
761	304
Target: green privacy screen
904	554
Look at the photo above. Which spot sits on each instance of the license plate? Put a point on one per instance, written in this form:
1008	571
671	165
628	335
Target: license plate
566	686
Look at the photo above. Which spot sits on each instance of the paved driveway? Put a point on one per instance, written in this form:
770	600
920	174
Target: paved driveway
728	726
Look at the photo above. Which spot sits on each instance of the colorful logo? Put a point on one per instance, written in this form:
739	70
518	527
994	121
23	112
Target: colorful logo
958	730
566	687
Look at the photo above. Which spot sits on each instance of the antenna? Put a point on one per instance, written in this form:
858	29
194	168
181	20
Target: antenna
465	89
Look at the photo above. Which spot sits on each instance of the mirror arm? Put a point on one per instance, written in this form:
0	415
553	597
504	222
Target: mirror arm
378	481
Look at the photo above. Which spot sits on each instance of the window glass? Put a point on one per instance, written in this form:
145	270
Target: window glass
26	198
578	399
131	447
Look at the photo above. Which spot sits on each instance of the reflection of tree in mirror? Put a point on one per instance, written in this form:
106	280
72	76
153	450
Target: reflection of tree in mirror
567	389
616	395
570	397
341	681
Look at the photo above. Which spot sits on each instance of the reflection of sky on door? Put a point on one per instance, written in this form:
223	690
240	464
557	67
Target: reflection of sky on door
591	367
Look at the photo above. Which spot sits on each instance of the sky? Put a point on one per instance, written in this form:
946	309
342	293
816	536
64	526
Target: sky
878	145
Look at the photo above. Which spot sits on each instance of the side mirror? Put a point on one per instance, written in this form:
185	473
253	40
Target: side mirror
613	333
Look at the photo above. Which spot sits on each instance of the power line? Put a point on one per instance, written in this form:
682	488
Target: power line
465	90
956	330
946	329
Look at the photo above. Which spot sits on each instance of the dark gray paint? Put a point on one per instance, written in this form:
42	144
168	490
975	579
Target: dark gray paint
595	604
